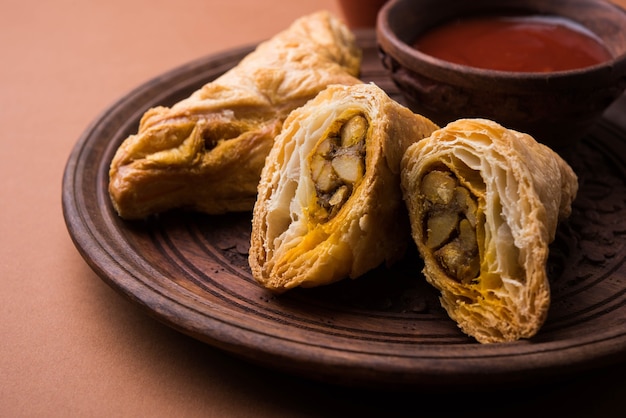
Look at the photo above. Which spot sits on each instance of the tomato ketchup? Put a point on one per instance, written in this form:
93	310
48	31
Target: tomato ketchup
517	43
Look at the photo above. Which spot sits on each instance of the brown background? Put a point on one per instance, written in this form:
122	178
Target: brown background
70	345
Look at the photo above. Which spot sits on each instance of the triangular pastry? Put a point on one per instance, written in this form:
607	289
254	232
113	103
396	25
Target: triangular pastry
206	152
484	203
329	204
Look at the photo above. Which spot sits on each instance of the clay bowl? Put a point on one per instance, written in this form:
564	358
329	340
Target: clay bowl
556	108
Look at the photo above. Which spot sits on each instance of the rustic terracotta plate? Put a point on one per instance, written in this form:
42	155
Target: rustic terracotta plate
385	329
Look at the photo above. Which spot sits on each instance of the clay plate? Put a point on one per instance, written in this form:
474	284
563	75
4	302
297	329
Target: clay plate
385	329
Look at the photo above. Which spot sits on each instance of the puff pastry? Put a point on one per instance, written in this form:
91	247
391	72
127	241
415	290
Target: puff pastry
484	204
206	152
329	203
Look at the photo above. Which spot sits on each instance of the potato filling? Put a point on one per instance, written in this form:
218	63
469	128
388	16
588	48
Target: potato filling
337	164
450	222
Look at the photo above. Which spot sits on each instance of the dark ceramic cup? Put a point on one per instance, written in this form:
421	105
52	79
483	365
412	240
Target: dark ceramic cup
556	108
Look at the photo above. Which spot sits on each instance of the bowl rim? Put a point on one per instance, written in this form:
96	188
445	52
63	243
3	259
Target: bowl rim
391	44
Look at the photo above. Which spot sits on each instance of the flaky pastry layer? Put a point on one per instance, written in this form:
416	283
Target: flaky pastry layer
484	203
329	203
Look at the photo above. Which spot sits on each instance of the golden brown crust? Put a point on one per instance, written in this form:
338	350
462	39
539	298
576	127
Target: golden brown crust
522	190
206	152
296	240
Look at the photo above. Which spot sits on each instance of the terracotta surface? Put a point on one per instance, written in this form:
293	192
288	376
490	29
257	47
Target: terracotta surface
70	345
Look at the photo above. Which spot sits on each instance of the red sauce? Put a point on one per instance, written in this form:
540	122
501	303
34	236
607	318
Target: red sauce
520	44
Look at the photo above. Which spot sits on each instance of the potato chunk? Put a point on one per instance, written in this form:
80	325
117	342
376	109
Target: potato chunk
349	167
